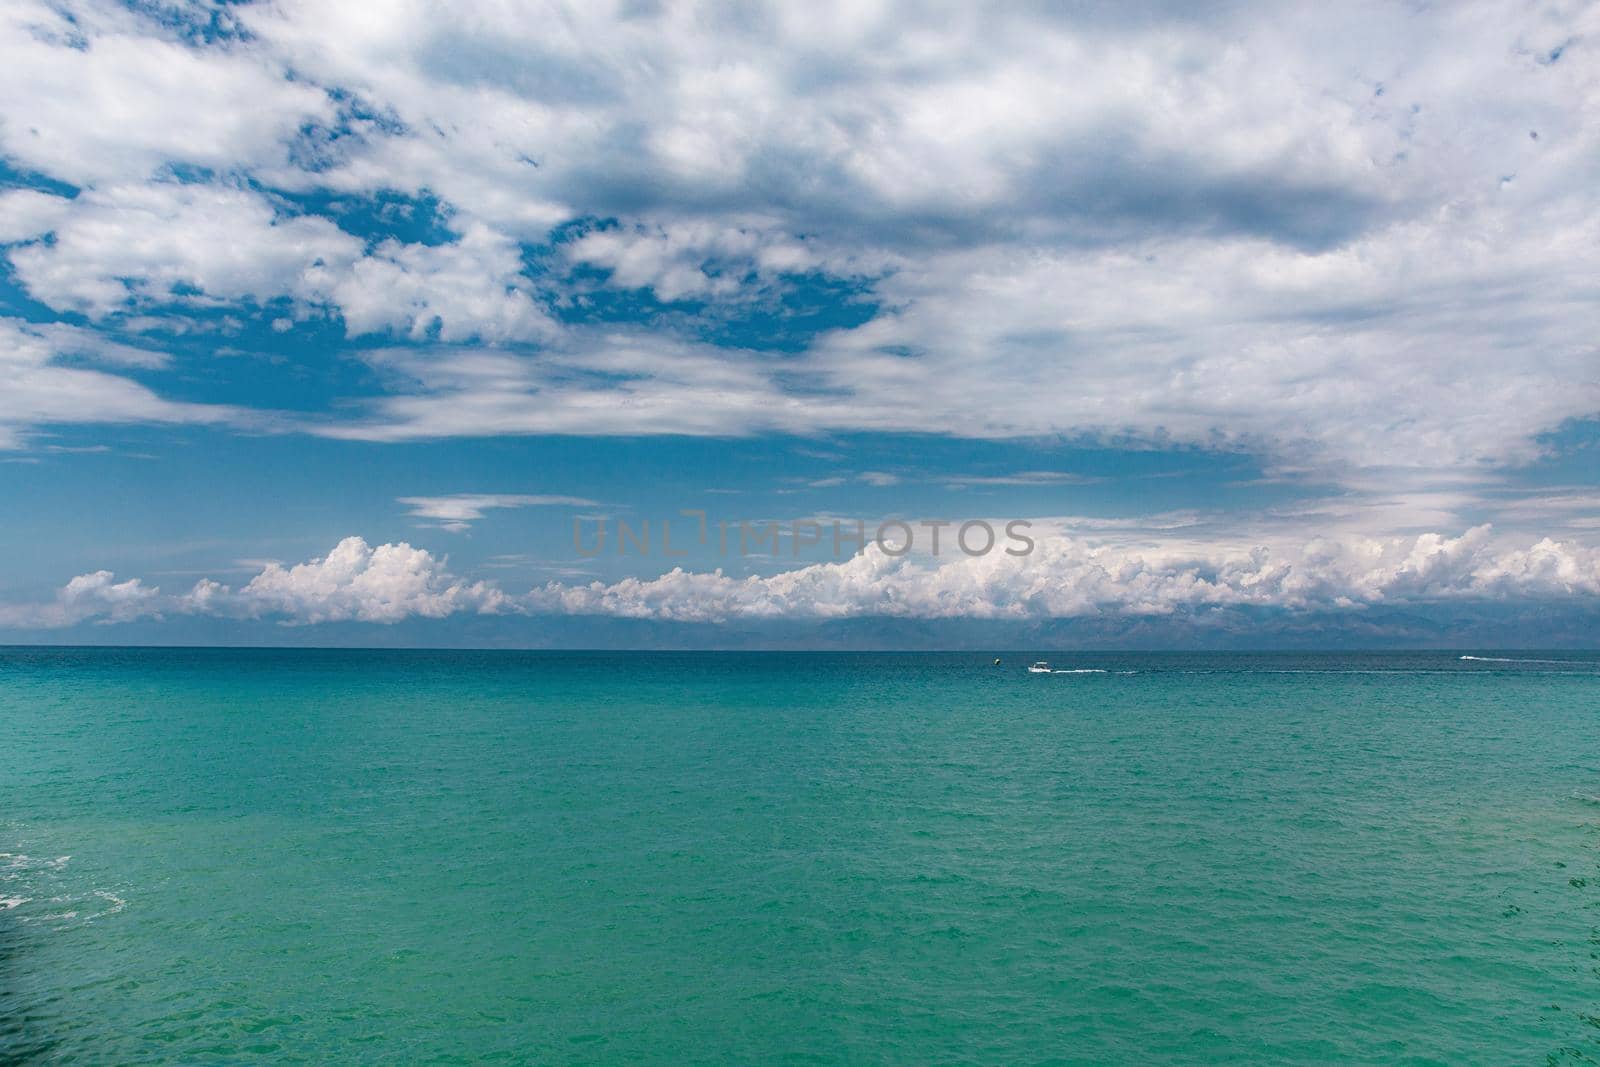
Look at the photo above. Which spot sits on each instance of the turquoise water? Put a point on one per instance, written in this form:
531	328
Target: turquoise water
392	857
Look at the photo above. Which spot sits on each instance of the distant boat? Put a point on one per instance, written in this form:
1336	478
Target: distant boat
1039	668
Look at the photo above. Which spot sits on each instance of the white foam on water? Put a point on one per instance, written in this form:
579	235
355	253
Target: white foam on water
17	861
7	903
117	903
1080	670
1508	659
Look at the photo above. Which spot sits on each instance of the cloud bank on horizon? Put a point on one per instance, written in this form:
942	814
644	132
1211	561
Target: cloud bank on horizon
388	583
1357	242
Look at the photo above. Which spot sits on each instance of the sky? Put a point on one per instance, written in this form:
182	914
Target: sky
377	322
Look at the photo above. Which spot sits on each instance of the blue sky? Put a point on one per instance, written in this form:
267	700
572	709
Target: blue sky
333	319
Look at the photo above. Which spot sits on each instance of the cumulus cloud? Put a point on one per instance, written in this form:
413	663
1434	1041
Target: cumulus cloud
1347	238
98	596
28	213
117	248
354	582
126	247
1067	578
1064	577
703	259
362	583
850	116
94	94
468	289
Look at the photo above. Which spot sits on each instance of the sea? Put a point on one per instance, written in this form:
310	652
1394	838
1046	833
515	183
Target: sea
418	857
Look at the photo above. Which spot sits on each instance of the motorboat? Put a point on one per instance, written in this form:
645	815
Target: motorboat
1039	668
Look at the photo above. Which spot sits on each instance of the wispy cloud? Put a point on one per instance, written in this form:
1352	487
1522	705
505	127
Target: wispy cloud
458	511
1023	478
44	387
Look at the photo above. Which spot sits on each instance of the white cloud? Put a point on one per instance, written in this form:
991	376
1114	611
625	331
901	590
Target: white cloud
458	511
856	114
1350	237
357	582
128	246
92	94
28	213
468	289
39	391
599	383
98	596
1064	577
100	593
1036	478
1440	345
700	259
1069	578
116	248
89	346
